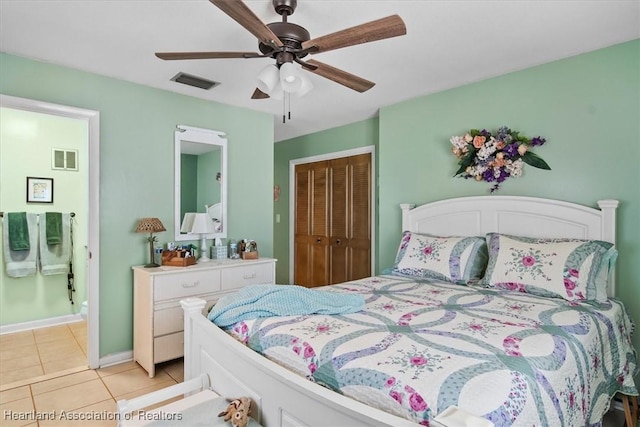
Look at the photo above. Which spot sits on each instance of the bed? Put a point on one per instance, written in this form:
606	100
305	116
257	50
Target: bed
512	355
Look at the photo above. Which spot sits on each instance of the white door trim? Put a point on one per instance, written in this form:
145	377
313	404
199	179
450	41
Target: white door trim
93	244
292	197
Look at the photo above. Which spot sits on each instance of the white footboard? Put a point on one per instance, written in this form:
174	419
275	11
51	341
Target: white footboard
281	398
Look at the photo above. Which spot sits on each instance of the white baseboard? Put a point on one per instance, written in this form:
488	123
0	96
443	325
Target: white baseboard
42	323
116	358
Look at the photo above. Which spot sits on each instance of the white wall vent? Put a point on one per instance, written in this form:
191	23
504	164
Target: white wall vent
63	159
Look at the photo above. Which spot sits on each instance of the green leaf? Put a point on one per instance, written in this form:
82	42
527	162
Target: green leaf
465	162
535	161
474	132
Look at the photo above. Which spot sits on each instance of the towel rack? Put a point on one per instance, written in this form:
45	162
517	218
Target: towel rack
71	213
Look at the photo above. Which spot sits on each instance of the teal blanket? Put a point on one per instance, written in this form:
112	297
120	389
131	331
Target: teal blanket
256	301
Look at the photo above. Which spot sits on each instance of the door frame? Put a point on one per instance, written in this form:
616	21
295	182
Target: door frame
93	244
292	197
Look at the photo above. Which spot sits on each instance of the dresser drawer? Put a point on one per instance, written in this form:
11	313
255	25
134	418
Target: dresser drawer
251	274
168	347
169	317
186	284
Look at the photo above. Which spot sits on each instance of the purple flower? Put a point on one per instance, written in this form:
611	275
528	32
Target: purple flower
504	174
312	367
390	381
573	272
487	175
511	150
322	328
503	132
537	141
428	250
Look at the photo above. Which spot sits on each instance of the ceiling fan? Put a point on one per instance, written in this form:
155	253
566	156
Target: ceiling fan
287	42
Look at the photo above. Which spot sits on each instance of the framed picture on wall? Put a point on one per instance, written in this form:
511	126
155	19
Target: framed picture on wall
39	190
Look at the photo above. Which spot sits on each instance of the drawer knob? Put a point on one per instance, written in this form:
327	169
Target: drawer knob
249	276
190	285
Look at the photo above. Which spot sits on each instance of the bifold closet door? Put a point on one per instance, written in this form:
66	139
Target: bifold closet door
312	224
333	221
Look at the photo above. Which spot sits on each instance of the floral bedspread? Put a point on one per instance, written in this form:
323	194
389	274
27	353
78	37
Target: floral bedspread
418	348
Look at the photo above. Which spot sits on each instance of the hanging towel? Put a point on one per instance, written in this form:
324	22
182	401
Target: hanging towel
54	227
18	231
54	259
21	263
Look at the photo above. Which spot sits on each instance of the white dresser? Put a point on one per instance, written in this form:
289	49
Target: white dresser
157	316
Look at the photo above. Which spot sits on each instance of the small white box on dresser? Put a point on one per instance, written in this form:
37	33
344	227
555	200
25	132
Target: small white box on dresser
158	319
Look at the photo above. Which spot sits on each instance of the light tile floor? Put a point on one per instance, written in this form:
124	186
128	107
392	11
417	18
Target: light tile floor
45	351
57	380
45	370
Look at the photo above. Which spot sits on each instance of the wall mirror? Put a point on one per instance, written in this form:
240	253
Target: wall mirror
200	180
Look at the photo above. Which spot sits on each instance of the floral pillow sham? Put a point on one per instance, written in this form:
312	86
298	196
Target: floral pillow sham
460	260
572	269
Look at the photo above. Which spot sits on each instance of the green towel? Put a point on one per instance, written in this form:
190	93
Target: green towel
54	228
18	231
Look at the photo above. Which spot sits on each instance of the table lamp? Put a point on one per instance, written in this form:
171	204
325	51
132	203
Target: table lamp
150	225
202	224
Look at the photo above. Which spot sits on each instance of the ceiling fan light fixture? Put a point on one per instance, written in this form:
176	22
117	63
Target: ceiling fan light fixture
290	77
277	92
268	78
305	87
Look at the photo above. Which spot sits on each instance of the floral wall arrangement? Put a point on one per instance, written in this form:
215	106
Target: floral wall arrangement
495	156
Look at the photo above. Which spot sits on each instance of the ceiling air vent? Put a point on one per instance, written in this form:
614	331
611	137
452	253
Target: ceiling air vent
194	81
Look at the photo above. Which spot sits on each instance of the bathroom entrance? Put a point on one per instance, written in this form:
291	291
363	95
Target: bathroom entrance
58	146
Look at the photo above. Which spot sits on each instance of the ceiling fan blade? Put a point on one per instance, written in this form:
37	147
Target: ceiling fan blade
391	26
206	55
258	94
241	13
339	76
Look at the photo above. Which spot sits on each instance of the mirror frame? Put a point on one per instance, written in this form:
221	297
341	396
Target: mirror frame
203	136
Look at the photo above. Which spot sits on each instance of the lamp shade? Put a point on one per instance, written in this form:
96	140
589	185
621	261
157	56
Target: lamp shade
197	223
150	225
187	222
268	78
305	87
290	77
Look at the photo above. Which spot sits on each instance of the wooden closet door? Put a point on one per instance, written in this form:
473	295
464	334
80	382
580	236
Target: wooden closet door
359	217
312	224
332	241
350	218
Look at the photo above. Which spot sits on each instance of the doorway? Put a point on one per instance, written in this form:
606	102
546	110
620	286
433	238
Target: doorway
332	216
92	119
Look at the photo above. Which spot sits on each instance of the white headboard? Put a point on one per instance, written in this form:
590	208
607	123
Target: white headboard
516	215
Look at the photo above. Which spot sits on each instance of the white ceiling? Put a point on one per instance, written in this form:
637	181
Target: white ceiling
448	44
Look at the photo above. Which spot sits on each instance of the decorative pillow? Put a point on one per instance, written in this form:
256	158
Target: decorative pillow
572	269
459	260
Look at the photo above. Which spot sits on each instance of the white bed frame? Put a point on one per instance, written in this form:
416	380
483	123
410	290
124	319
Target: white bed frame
284	399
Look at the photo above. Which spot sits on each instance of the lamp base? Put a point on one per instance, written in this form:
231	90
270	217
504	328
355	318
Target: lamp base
151	265
203	249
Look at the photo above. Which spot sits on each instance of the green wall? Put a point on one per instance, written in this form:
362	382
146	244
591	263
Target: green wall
347	137
588	108
137	125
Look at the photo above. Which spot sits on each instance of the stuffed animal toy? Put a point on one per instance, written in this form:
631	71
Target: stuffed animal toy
237	411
